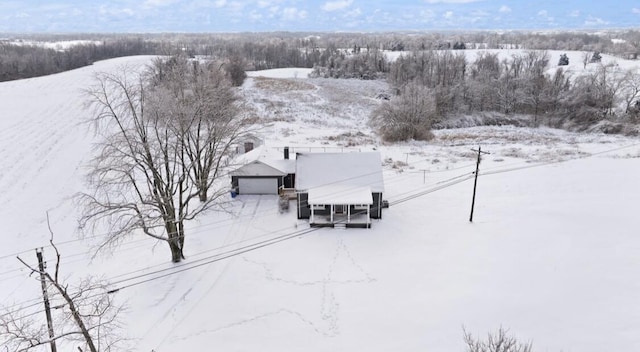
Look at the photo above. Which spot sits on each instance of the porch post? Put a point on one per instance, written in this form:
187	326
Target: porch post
312	214
332	213
348	213
368	213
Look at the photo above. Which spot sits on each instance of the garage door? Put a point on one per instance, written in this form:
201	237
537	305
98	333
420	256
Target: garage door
258	186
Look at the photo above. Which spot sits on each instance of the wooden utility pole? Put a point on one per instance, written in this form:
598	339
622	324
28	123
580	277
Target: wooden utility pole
47	307
475	182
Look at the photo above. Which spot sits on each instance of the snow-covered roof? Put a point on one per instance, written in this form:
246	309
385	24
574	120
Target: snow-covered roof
257	168
270	157
340	194
357	169
285	165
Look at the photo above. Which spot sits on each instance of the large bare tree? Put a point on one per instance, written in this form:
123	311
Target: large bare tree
166	137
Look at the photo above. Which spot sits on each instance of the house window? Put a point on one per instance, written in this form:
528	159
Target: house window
248	146
360	207
317	207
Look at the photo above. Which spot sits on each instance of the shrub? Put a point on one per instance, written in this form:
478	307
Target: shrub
407	116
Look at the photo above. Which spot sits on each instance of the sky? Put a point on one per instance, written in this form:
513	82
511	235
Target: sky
135	16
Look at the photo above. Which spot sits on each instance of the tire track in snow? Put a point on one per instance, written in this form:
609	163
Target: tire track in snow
240	226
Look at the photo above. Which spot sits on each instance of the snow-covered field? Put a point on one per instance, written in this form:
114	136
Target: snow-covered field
552	253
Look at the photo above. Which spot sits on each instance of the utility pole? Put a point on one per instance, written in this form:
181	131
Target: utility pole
47	307
475	182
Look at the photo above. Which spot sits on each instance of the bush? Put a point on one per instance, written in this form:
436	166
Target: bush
407	116
564	60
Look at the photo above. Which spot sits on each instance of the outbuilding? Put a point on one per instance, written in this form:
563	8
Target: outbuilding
339	189
263	172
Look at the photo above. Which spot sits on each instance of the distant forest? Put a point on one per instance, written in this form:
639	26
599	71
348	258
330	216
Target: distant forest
454	86
19	59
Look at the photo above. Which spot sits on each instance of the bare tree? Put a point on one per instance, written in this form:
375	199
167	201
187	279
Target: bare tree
608	85
85	316
164	144
235	70
630	89
203	110
586	58
499	341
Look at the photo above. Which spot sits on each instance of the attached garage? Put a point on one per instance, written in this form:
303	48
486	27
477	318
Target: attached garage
258	185
261	177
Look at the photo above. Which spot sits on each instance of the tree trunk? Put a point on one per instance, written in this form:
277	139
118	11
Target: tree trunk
202	194
75	314
180	227
175	242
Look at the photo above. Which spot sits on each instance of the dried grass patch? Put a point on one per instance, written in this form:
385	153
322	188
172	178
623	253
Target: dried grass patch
280	85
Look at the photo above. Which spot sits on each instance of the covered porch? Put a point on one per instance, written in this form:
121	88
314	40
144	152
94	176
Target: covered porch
340	206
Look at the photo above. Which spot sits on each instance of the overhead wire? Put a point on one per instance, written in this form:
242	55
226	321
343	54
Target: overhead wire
411	195
199	229
254	246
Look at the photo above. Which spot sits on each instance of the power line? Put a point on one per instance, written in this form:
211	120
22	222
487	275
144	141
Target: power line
188	266
204	226
254	246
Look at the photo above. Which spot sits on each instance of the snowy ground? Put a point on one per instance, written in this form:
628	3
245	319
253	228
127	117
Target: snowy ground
552	253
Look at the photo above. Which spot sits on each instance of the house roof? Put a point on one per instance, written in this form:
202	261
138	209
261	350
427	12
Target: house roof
340	194
350	170
264	161
257	168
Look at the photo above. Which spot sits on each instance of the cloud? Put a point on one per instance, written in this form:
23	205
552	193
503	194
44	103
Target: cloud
336	5
451	1
595	21
427	14
635	10
479	13
574	13
263	3
354	13
104	10
545	14
448	15
505	9
293	14
158	3
255	16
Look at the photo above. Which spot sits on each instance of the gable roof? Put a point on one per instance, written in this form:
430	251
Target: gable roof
257	168
270	158
351	170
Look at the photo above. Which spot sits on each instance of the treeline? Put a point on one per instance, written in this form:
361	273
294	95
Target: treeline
357	63
354	55
452	87
518	85
359	55
19	60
